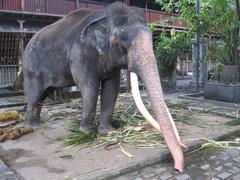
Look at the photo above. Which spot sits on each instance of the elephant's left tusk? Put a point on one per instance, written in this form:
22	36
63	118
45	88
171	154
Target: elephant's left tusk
138	100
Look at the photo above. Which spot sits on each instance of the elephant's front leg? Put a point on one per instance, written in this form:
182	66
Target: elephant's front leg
89	90
109	93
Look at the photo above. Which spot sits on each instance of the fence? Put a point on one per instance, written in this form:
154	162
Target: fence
9	55
60	7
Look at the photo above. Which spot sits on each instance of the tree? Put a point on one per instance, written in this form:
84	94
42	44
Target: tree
219	19
167	49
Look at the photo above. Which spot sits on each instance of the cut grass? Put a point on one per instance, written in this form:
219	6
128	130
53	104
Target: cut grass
131	135
76	137
177	105
234	122
221	144
130	124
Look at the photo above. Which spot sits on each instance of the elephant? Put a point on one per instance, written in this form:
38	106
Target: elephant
89	48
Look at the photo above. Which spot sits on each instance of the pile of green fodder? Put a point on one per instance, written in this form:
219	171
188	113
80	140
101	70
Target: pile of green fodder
131	129
131	126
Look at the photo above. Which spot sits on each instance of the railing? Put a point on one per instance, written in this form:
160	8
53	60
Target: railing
62	7
153	16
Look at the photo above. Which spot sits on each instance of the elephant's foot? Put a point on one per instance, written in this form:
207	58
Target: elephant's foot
104	130
33	121
85	128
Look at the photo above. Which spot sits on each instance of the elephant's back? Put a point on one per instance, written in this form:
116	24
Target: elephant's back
65	24
52	42
61	28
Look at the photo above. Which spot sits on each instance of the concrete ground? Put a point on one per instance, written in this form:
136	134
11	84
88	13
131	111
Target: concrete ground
209	164
6	173
42	153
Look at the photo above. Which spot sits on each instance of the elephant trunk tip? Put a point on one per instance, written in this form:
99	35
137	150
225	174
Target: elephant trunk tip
179	165
178	161
179	168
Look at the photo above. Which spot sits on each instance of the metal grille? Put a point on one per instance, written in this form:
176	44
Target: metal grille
9	56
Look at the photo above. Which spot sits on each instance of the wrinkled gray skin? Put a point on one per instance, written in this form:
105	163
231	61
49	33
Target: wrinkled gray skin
88	48
82	48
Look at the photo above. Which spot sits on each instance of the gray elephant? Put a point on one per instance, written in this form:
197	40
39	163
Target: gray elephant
88	48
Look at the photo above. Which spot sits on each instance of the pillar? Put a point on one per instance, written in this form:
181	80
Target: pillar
23	5
203	61
21	46
77	4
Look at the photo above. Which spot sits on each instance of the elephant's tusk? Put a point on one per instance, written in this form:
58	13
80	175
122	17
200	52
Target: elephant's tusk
138	100
175	128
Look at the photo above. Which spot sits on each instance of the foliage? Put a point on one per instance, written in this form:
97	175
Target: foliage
167	49
76	136
151	26
235	122
218	53
130	129
216	18
215	74
221	144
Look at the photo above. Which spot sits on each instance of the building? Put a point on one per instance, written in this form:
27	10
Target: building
21	19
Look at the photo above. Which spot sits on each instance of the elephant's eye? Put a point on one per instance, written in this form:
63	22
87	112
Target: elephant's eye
124	37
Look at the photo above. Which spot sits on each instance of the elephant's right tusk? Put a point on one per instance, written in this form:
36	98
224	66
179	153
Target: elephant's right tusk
138	100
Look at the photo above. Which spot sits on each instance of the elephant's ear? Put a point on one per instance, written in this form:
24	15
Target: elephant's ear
137	14
95	34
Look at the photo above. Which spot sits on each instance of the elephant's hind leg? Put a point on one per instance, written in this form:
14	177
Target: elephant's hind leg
35	95
32	115
108	99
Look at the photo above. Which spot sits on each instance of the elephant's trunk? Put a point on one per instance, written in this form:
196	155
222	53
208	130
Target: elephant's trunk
142	61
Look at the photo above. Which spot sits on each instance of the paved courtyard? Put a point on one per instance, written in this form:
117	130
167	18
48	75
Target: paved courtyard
6	173
209	164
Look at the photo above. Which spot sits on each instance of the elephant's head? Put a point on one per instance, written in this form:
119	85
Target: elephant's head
121	35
